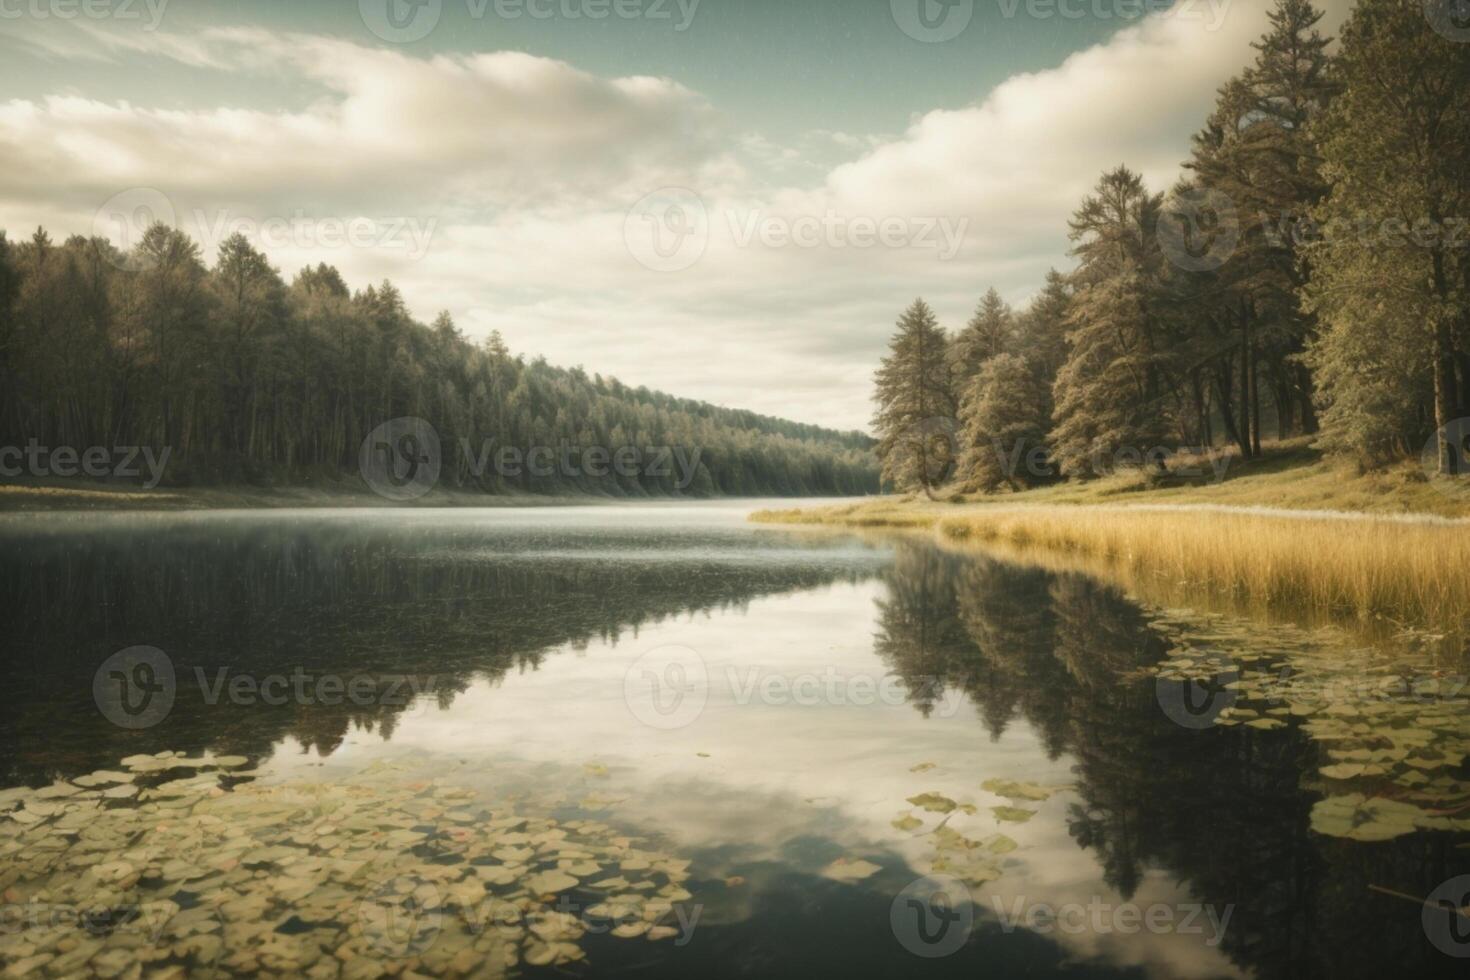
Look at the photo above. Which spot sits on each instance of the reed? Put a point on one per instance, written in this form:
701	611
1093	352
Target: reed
1406	568
1371	566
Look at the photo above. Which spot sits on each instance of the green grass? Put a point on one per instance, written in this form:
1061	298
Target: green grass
1289	474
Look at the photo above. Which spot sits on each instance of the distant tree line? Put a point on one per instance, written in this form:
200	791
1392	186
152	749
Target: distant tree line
1309	276
247	378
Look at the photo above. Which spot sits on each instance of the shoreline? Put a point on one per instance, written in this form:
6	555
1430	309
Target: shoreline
1393	566
59	496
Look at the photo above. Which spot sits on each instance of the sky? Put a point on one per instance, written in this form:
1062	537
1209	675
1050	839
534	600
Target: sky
730	200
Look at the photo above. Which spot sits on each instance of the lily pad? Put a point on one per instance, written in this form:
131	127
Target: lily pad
846	869
1360	818
932	802
906	822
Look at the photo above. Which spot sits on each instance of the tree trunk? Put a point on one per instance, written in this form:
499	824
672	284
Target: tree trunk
1224	385
1463	360
1444	384
1444	398
1307	393
1245	387
1255	380
1201	414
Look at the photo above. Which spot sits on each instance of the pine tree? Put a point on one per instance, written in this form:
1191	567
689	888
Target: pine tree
1006	417
1257	160
1110	393
915	419
1041	331
990	333
9	290
1391	278
238	376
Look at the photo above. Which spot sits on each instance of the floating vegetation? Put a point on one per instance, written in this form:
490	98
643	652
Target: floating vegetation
1013	790
1393	731
906	821
847	869
201	869
975	861
933	802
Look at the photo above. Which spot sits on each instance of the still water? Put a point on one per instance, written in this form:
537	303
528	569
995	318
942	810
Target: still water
657	740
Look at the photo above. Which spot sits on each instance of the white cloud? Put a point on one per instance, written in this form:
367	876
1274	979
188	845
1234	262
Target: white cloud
489	130
527	166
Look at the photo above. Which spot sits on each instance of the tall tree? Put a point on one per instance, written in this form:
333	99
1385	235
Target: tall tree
915	417
251	303
1257	162
1006	418
1391	268
242	378
165	310
1041	331
990	333
1110	393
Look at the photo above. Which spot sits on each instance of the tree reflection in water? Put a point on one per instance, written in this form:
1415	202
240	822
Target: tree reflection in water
1225	809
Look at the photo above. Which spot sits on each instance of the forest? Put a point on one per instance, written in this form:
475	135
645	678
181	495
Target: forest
248	380
1309	276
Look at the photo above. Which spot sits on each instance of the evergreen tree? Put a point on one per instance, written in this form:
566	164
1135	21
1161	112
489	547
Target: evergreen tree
1005	424
1391	278
915	418
1041	331
1110	393
1257	161
990	333
244	379
250	312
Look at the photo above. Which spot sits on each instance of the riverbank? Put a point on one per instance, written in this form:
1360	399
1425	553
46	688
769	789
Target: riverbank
72	495
82	495
1287	530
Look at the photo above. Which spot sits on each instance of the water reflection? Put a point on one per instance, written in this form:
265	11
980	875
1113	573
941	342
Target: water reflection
443	602
1004	672
1226	809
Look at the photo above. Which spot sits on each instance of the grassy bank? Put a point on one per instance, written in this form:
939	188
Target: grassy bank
90	495
1288	530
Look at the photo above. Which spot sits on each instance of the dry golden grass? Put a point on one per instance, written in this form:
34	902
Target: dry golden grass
1289	530
1372	566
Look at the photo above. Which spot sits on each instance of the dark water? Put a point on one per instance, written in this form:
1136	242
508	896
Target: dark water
765	704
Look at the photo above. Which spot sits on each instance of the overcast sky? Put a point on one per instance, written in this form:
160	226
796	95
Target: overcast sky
725	199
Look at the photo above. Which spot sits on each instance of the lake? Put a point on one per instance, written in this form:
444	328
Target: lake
657	740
